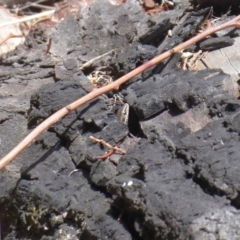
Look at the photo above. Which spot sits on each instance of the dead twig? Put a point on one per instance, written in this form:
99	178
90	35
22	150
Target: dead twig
109	153
96	59
106	155
97	92
116	148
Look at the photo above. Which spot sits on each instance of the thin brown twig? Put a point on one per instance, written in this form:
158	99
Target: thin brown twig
106	155
116	148
97	92
109	153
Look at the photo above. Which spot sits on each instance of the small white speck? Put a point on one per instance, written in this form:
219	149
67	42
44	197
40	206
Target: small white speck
170	3
124	184
170	33
186	55
130	183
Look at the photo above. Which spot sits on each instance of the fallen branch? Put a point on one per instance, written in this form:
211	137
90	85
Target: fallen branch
115	85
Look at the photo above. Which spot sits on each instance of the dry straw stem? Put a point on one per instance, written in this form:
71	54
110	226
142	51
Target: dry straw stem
115	85
29	18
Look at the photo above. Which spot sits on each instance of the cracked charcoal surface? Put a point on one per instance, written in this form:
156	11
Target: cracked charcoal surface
181	90
179	181
211	164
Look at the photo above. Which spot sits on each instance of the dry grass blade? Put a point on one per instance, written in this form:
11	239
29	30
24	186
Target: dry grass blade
64	111
29	18
10	35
